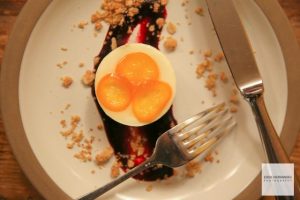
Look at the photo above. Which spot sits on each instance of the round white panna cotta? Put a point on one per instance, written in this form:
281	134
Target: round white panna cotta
135	84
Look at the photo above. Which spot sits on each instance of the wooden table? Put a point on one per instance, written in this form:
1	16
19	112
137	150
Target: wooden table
13	183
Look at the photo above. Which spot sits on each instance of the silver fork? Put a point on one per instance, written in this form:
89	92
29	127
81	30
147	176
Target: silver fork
194	137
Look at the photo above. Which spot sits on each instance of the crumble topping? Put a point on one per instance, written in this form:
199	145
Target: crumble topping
67	106
66	81
204	66
171	28
61	65
192	168
210	83
170	44
63	123
233	109
100	127
113	43
234	97
104	156
219	57
209	158
199	11
112	12
115	170
160	22
149	188
223	77
63	49
82	24
234	100
98	26
88	78
207	53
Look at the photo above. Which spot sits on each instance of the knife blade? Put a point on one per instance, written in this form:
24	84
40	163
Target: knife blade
236	46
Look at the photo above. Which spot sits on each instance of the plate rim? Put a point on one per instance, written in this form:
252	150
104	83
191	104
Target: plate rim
11	116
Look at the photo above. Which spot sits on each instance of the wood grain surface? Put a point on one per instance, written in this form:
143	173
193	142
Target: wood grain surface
13	183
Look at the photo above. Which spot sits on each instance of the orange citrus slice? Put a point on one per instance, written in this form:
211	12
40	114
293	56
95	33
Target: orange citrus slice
114	92
150	99
137	68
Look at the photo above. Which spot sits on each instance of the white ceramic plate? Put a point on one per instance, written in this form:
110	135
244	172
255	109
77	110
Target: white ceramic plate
41	99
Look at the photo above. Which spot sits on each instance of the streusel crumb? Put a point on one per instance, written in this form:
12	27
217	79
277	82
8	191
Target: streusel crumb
113	43
219	57
209	158
200	70
100	127
63	49
171	28
61	65
192	168
170	44
104	156
130	163
67	81
115	170
149	188
204	66
67	106
160	22
156	7
132	11
223	77
82	24
95	17
70	145
207	53
88	78
63	123
210	83
199	11
81	64
98	26
233	109
234	99
75	119
77	137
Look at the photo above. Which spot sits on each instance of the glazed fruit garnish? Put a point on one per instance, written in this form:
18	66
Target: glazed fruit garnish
137	67
132	145
135	84
114	92
150	99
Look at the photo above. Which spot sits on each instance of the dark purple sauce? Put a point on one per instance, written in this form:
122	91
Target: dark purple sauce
120	136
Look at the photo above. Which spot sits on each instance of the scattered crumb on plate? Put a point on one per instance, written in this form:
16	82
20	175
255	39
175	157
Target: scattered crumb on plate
66	81
192	168
149	188
104	156
171	28
199	11
170	44
88	78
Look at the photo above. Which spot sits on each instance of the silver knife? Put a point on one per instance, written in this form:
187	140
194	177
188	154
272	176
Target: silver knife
239	56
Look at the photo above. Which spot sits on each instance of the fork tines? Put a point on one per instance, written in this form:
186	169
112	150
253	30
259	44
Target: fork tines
200	133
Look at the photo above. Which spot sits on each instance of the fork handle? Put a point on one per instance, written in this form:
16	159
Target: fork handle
272	145
100	191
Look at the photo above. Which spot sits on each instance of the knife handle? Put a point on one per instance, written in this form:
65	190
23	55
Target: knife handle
271	142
